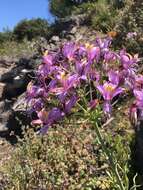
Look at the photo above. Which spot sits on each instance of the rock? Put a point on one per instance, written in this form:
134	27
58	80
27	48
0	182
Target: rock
4	122
9	75
2	106
14	77
2	88
79	37
13	116
20	104
5	114
16	86
5	105
73	30
55	39
64	33
5	67
20	116
52	46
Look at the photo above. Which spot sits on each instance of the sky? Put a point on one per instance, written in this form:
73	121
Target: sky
12	11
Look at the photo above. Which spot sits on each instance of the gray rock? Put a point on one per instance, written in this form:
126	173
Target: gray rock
73	30
2	106
2	88
78	36
52	46
4	122
14	82
20	104
55	39
16	87
13	116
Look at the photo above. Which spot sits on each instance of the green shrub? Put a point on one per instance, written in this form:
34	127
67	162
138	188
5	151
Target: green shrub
104	17
31	28
6	36
61	8
102	14
17	50
131	21
64	159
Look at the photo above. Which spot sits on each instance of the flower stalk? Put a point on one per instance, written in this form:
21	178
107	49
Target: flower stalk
109	157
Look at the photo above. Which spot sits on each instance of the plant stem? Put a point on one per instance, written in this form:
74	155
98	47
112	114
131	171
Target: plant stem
110	159
81	107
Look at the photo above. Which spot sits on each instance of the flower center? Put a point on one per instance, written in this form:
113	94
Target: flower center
88	46
109	88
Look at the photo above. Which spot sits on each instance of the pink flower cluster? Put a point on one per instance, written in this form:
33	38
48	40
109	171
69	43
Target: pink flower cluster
62	74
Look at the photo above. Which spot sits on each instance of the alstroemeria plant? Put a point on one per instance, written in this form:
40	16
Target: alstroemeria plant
75	66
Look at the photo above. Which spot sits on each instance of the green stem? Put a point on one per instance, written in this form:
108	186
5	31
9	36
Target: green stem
91	98
107	153
80	106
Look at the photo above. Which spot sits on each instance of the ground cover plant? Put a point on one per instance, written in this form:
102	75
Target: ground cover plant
14	49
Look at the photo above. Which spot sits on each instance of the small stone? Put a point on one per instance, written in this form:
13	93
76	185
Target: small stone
25	71
73	30
4	119
55	39
2	88
17	78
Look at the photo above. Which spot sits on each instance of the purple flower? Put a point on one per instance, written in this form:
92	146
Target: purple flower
127	60
38	104
45	70
103	44
81	69
42	118
139	97
66	85
107	108
109	90
110	56
131	35
34	91
138	83
46	118
69	50
31	90
55	115
70	104
48	59
128	68
129	83
114	77
94	75
92	51
93	103
43	130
